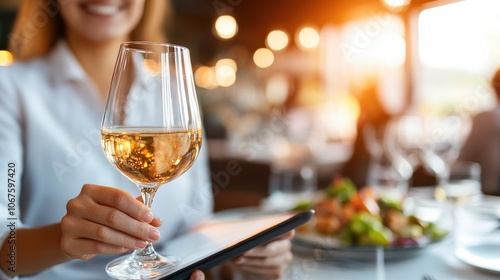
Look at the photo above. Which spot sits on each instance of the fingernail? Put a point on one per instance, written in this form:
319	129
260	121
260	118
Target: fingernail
198	275
239	260
149	217
154	234
139	244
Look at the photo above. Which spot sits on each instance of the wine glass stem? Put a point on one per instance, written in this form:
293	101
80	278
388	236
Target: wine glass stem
380	261
147	195
444	176
148	252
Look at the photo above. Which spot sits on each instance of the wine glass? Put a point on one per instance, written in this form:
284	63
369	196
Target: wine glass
389	171
464	184
403	141
151	132
442	141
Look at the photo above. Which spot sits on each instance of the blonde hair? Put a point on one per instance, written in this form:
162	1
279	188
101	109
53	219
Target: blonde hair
38	25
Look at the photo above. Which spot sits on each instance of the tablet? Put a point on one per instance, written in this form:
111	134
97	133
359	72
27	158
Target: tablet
216	241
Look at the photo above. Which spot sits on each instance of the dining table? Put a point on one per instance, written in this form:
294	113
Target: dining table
435	261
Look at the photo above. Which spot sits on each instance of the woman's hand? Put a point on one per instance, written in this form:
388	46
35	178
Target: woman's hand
105	220
268	261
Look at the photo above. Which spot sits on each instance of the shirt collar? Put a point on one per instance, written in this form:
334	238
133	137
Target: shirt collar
65	63
67	67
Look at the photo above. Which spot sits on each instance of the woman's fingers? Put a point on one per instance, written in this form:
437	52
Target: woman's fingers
106	217
270	249
272	261
120	200
111	209
264	268
288	235
84	229
106	220
156	221
268	261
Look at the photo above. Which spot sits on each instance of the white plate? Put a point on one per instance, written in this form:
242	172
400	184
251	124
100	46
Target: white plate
483	256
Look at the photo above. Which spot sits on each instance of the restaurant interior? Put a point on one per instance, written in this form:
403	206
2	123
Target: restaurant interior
285	87
280	86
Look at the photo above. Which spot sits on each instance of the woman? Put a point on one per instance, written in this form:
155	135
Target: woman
66	221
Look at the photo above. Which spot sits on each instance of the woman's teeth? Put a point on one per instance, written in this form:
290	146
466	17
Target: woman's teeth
103	10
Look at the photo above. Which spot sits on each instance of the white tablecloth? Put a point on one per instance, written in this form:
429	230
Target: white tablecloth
438	260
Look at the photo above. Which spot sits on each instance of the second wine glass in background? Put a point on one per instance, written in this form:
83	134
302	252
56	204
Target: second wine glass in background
443	136
388	172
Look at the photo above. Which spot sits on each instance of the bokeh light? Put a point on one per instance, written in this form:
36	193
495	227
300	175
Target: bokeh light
226	27
6	58
204	77
308	38
277	40
228	62
396	5
263	58
225	75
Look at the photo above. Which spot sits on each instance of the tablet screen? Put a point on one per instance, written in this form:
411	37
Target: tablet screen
219	240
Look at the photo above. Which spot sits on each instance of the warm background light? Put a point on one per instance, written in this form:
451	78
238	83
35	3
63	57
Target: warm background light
204	77
226	27
396	5
6	58
277	40
465	46
308	38
263	58
225	73
393	50
227	62
277	89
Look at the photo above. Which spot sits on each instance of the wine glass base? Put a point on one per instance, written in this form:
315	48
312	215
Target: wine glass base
127	268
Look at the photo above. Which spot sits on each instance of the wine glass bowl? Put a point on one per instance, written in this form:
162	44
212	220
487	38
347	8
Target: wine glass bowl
430	141
404	139
152	156
443	138
151	132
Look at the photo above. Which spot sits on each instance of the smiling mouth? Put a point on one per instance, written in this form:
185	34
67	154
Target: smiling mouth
102	9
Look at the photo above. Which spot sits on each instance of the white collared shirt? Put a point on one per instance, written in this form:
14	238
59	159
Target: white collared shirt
50	114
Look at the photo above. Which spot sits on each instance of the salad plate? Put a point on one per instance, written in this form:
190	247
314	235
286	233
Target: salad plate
330	247
351	223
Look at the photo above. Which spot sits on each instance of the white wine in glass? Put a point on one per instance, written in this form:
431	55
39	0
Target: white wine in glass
151	132
151	156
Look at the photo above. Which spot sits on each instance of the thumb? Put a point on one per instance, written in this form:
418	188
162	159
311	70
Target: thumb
197	275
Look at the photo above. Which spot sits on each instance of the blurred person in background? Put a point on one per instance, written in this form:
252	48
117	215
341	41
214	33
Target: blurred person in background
373	118
483	143
69	222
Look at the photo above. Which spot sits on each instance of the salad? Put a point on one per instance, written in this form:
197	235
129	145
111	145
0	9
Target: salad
360	218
